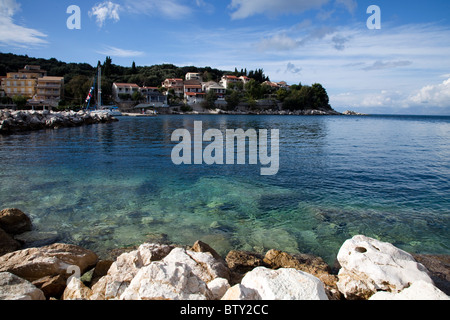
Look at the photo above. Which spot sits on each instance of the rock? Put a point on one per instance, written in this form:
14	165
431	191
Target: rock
313	265
76	290
157	271
14	221
202	264
37	238
218	288
166	281
241	262
14	288
439	269
7	243
33	264
369	265
52	286
239	292
281	284
36	120
419	290
125	268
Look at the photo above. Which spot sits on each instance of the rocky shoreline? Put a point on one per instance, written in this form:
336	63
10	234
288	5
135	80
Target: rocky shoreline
20	121
367	269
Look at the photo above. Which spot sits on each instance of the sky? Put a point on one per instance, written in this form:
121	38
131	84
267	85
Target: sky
401	68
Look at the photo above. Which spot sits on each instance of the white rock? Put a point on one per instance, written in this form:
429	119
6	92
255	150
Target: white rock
369	265
14	288
239	292
218	287
281	284
125	268
202	264
162	281
76	290
419	290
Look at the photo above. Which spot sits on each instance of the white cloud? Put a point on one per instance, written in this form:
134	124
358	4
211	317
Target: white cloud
12	34
121	53
104	11
172	9
350	5
433	95
246	8
278	42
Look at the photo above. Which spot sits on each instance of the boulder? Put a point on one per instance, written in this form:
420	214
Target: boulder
14	288
282	284
158	271
40	265
7	243
419	290
218	287
313	265
124	269
14	221
439	269
240	293
76	290
369	266
166	281
241	262
202	264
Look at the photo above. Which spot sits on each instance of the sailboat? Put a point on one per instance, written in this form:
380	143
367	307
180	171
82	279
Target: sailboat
98	107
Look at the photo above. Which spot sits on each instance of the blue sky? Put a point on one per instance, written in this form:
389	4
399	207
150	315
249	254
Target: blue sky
402	68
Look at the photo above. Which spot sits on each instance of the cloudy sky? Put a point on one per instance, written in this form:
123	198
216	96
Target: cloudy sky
404	67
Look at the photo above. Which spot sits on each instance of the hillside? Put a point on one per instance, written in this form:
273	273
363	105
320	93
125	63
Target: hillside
79	78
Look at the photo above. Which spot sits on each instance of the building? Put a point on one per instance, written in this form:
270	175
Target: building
153	96
124	91
23	82
33	82
217	88
194	76
193	93
177	85
227	80
49	91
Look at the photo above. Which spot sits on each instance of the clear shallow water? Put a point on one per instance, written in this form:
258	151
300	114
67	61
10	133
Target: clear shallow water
114	185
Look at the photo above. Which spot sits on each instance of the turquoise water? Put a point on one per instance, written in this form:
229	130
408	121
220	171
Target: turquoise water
114	185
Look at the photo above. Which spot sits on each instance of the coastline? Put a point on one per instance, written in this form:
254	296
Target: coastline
152	271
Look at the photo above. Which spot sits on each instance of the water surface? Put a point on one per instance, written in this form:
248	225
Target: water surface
114	185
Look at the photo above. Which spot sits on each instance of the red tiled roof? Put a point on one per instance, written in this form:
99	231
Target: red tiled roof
194	93
127	85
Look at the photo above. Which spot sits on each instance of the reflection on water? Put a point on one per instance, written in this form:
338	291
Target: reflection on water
115	185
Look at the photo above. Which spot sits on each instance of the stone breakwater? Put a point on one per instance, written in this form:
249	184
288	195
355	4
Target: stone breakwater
19	121
368	269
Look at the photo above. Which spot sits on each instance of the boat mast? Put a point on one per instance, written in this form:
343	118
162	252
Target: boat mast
99	80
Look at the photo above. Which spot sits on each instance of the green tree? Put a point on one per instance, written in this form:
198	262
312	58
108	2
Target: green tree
20	101
210	100
233	100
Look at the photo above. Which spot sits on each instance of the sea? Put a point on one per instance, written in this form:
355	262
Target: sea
112	186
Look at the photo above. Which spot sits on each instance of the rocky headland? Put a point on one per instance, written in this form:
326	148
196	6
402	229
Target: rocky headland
20	121
366	269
